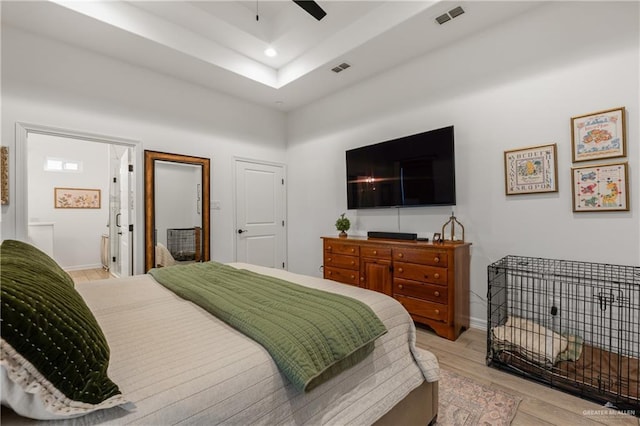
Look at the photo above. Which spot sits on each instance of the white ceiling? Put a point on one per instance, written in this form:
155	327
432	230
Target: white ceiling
220	44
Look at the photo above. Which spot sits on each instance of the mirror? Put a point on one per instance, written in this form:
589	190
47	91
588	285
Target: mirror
176	209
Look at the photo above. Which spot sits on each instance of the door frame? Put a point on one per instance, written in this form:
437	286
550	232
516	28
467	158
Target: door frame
235	204
22	174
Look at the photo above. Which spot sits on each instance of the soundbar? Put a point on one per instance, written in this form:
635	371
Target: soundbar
392	235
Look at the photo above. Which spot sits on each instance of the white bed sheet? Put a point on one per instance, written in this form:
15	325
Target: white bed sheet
180	365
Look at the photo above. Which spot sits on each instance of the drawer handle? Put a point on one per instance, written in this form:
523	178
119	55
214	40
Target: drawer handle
400	255
375	252
329	259
329	272
436	275
329	248
436	293
400	286
353	250
361	278
352	276
437	311
353	263
436	259
400	270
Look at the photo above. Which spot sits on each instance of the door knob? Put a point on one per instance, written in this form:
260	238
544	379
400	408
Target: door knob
240	231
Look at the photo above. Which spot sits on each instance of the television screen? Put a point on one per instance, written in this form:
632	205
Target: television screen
416	170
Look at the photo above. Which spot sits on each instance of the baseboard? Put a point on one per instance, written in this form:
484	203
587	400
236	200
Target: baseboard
82	267
478	324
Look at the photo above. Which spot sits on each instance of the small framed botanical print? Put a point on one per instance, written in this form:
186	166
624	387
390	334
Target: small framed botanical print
76	198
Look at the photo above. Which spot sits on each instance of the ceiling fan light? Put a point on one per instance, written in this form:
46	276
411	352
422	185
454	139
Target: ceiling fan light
270	52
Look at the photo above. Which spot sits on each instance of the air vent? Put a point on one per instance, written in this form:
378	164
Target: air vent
343	66
443	18
456	12
453	13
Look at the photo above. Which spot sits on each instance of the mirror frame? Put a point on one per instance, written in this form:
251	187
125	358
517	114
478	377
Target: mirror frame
150	158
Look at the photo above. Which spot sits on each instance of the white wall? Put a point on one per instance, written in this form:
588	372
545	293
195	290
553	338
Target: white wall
512	86
76	232
49	83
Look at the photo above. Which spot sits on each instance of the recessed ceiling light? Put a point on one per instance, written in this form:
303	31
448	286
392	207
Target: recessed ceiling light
270	52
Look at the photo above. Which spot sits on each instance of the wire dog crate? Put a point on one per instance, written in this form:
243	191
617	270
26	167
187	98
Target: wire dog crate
184	243
574	326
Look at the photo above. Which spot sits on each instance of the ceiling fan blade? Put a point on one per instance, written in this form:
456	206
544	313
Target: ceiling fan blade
312	8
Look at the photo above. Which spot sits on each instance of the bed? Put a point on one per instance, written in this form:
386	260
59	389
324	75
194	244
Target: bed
175	363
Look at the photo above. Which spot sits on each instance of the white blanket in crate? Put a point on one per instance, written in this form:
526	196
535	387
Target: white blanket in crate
537	343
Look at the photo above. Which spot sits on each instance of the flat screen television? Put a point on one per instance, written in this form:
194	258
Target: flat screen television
416	170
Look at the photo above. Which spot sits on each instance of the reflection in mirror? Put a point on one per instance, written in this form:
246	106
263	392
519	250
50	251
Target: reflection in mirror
176	209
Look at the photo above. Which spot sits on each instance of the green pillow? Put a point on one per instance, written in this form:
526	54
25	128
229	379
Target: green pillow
50	339
36	266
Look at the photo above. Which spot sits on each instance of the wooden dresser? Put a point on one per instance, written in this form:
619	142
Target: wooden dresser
430	280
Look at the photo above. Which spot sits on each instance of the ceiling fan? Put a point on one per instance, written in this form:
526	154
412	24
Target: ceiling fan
312	8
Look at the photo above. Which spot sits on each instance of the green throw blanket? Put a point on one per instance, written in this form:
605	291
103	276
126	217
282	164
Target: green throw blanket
312	335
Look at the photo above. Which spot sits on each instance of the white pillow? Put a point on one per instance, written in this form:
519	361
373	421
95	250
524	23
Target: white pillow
30	394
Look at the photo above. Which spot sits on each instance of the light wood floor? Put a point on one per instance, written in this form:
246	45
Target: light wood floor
540	404
89	275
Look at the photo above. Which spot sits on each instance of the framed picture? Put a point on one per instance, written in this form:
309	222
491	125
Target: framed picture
598	135
436	237
4	175
600	188
76	198
531	170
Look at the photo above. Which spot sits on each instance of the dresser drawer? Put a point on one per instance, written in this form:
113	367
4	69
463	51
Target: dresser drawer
341	261
412	271
424	257
431	292
341	248
345	276
376	252
423	308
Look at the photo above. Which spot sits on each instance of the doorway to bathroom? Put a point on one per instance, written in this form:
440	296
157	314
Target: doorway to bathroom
79	193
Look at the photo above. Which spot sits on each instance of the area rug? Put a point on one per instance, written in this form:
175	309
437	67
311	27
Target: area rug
464	402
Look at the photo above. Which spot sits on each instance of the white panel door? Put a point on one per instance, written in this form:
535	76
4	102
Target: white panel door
120	212
126	205
260	214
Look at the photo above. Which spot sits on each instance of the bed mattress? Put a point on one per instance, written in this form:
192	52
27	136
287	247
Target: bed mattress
180	365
